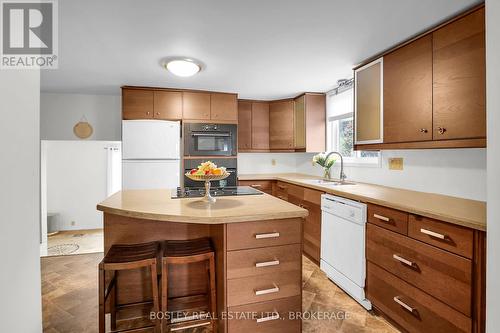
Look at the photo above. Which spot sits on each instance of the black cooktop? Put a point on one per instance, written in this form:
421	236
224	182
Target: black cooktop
197	192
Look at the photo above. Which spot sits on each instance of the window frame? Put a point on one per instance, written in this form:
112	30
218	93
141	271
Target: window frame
333	142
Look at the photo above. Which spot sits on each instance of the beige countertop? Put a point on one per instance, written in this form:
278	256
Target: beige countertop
158	205
464	212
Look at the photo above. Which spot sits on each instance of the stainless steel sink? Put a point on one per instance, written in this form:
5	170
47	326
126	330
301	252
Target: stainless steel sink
326	182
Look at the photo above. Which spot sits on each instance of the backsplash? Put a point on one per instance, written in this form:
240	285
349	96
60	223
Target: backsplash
455	172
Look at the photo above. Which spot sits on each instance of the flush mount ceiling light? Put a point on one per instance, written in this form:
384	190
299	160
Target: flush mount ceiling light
182	67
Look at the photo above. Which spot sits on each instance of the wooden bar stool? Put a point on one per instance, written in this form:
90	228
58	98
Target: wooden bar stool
185	252
127	257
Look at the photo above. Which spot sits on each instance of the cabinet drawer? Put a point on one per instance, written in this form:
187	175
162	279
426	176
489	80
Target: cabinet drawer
262	185
410	307
250	235
263	287
443	275
282	190
296	191
270	317
444	235
312	196
388	218
268	260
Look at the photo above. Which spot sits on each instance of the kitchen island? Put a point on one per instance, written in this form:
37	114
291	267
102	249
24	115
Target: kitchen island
257	241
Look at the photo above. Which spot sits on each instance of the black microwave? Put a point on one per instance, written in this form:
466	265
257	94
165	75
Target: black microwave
210	139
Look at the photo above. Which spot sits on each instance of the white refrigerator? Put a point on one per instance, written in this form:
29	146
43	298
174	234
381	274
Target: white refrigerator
150	154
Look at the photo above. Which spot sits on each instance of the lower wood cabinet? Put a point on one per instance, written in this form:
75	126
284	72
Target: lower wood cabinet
265	186
271	316
411	308
424	274
264	276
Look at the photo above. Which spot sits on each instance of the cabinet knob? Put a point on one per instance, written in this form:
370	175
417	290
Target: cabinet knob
423	130
157	113
148	113
441	130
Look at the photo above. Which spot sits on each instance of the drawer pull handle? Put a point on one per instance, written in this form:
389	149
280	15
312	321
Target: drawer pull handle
282	197
270	235
267	291
380	217
267	263
274	316
432	233
181	328
281	187
403	260
256	185
403	304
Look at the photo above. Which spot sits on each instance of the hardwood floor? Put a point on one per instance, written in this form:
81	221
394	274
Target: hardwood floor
69	298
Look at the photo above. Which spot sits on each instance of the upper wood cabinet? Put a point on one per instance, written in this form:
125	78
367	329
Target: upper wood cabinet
300	122
434	90
253	126
315	118
244	125
137	104
281	125
260	125
223	107
368	103
408	92
196	105
460	79
168	105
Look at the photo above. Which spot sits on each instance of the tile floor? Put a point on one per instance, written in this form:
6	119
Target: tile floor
69	298
76	242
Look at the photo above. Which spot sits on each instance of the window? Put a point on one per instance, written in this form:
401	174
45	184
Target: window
340	130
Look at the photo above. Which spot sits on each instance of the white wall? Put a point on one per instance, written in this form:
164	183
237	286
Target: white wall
77	177
60	112
493	111
20	288
455	172
262	163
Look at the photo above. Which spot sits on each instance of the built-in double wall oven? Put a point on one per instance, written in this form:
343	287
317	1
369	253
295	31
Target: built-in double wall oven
210	139
214	142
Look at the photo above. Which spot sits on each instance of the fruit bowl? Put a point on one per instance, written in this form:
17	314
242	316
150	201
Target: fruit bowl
207	172
209	178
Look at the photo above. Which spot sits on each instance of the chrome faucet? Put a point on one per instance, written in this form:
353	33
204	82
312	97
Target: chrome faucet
342	174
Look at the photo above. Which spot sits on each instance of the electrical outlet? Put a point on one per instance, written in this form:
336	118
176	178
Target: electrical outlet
396	163
273	162
73	223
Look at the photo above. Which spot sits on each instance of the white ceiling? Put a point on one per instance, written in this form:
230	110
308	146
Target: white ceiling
260	49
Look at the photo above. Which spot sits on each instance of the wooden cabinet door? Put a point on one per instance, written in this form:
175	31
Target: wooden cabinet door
137	104
168	105
368	103
244	125
312	231
315	122
460	79
408	92
196	105
299	106
260	125
281	125
223	107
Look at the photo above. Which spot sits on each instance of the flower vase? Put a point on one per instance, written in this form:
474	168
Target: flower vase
326	173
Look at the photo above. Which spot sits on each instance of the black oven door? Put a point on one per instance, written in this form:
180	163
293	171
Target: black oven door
211	143
210	139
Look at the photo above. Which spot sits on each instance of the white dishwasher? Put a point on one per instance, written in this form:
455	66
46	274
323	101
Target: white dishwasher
343	228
